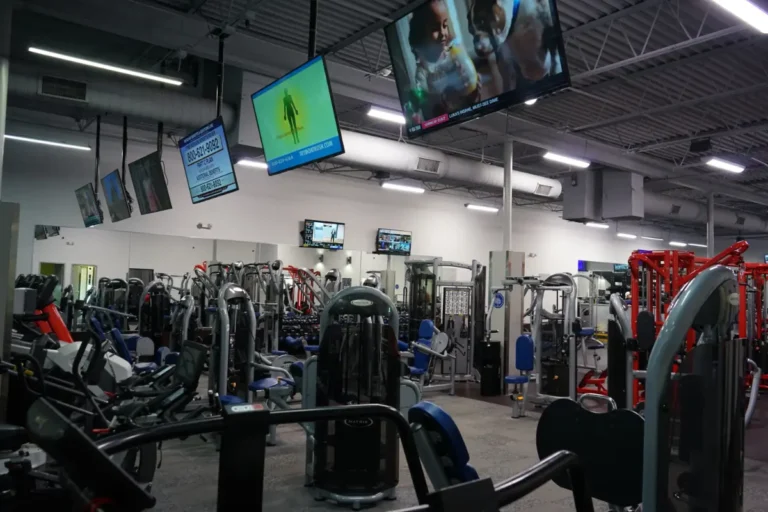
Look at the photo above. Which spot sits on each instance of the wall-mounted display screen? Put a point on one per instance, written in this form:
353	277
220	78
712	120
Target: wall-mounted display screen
40	233
86	200
323	235
455	60
207	163
393	241
149	184
296	118
52	230
114	192
620	267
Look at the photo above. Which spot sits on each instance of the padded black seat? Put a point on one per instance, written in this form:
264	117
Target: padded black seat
12	437
646	331
609	446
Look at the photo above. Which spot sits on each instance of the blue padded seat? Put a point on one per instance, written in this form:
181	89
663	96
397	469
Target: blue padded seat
524	353
160	355
132	342
292	342
587	331
278	352
402	346
312	349
446	440
269	383
120	345
516	379
417	371
230	400
142	368
426	329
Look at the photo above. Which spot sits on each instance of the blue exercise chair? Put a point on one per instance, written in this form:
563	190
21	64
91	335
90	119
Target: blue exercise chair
524	359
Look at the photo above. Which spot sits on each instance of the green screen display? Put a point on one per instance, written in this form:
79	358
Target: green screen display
296	118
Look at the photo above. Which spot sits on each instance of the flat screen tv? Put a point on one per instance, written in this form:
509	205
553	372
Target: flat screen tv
40	233
114	192
149	184
323	235
620	267
89	209
52	230
456	60
207	163
393	241
297	119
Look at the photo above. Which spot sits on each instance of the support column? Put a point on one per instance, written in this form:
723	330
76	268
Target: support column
508	157
710	225
6	8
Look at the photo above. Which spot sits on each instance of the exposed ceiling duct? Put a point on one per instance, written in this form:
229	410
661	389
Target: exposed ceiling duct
124	98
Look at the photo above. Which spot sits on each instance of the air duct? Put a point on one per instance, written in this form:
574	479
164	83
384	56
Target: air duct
123	98
427	164
657	205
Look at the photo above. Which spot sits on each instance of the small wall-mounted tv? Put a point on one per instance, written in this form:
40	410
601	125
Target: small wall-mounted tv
89	209
620	267
323	235
207	164
455	60
114	192
40	233
393	241
149	184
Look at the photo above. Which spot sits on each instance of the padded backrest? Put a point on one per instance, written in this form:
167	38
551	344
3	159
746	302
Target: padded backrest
524	353
646	330
120	345
609	446
420	359
446	441
96	326
426	330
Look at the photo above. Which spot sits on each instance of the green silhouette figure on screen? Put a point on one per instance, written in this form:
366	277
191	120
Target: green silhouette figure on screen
290	112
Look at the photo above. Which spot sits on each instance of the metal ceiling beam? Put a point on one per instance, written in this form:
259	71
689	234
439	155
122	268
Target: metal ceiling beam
721	132
670	108
660	52
610	18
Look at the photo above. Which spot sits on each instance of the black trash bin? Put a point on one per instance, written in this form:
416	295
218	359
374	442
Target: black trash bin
490	368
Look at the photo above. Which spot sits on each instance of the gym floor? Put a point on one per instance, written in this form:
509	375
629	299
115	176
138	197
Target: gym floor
499	447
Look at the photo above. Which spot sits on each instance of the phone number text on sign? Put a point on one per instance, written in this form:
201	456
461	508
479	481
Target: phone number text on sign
204	149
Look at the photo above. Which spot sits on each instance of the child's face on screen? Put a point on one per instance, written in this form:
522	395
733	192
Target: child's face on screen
438	30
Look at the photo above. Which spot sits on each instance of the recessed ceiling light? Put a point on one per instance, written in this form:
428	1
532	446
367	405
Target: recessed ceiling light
106	67
47	142
747	12
678	244
386	115
402	188
576	162
698	245
531	102
724	165
598	225
481	208
655	239
252	163
628	236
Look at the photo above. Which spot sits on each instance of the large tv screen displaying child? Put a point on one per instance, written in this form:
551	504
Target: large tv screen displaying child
456	60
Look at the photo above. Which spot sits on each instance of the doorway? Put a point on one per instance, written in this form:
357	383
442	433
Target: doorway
54	269
83	277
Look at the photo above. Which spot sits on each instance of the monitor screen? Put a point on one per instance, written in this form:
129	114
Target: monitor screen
149	184
620	267
86	200
456	60
40	233
296	118
323	235
52	230
207	163
393	241
114	192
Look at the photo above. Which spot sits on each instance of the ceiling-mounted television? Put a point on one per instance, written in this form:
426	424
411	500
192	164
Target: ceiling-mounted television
393	241
207	164
149	184
297	119
89	208
456	60
114	192
323	235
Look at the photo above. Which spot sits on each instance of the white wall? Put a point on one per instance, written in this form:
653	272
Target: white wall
270	209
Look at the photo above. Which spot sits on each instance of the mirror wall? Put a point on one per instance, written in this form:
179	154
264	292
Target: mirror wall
81	256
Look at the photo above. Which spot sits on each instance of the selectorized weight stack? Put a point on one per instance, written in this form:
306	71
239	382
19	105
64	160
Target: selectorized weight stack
354	461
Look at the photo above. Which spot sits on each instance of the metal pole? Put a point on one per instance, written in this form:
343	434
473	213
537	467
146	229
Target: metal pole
98	156
6	9
160	140
125	146
508	157
220	77
312	46
710	225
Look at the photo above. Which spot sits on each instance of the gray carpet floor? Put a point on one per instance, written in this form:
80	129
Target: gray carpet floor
499	447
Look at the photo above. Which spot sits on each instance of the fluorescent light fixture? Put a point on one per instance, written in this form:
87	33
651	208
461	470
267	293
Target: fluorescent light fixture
402	188
583	164
628	236
252	163
481	208
678	244
386	115
106	67
531	102
598	225
47	143
655	239
725	166
698	245
746	11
